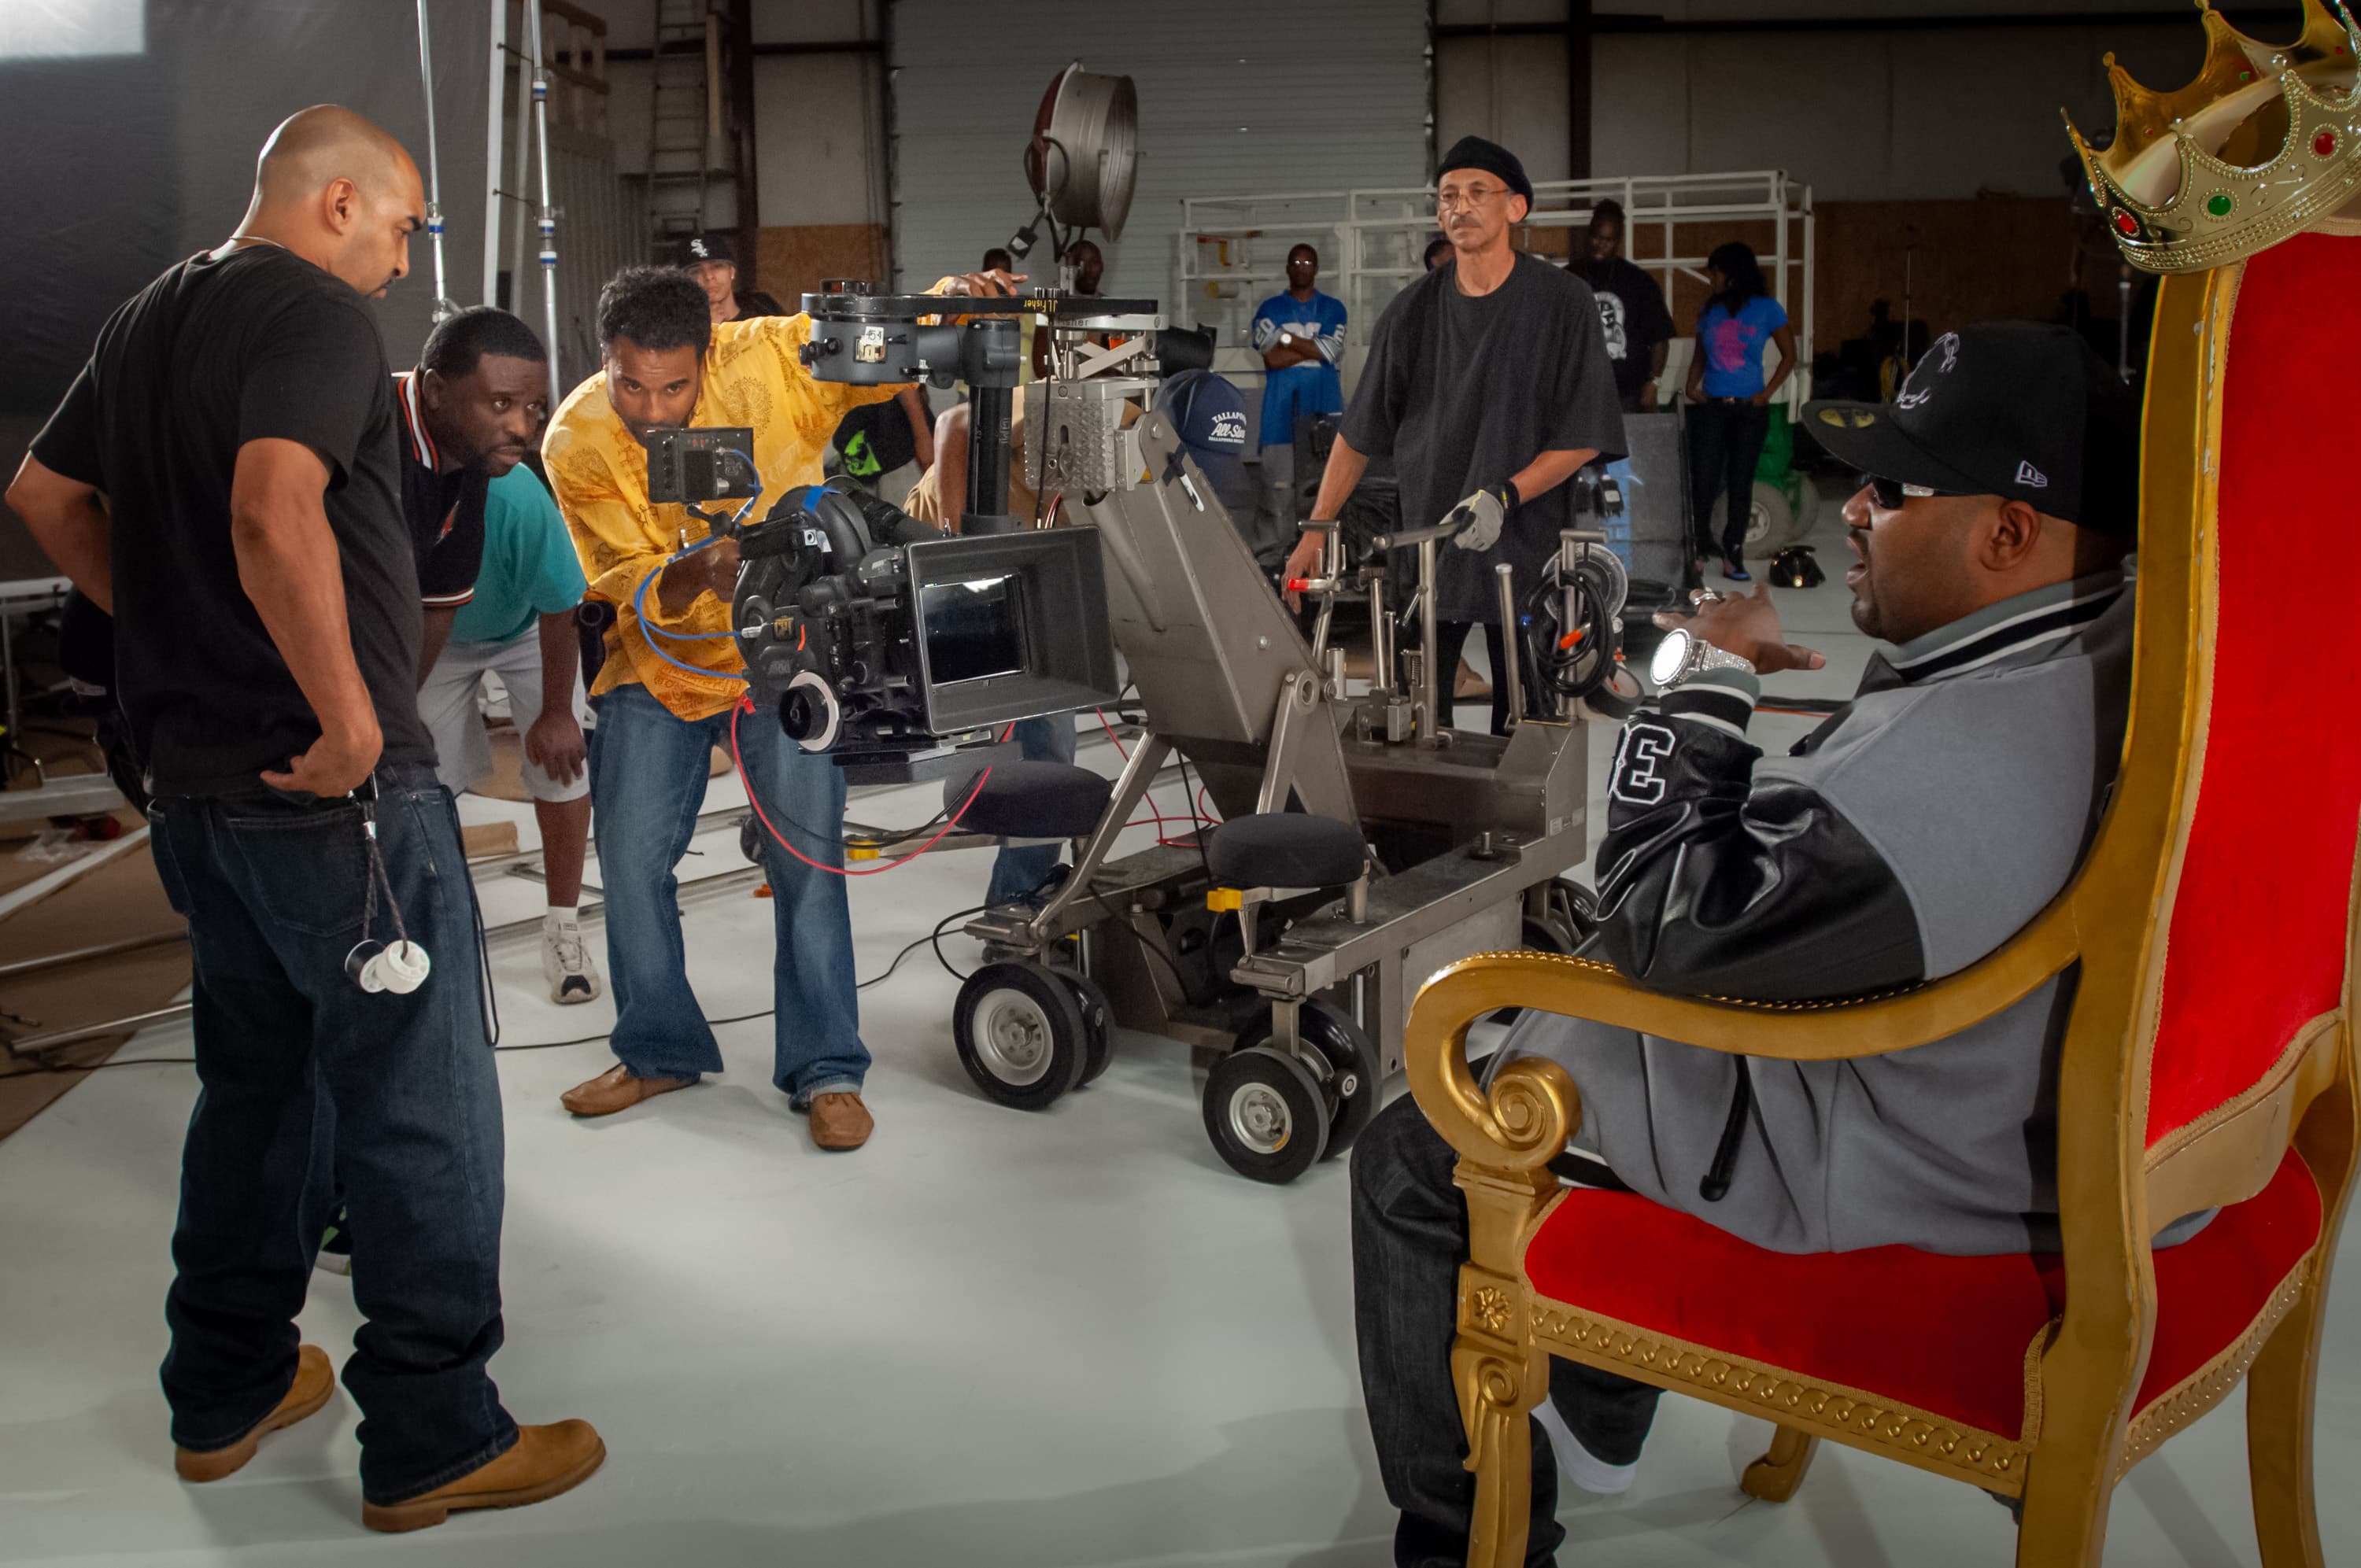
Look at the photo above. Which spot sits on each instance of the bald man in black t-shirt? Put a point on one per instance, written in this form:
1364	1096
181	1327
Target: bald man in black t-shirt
223	477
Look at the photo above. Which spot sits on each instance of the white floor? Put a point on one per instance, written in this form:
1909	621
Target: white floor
990	1338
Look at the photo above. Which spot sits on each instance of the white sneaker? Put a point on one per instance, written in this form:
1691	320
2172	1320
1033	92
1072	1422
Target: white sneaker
566	961
1581	1466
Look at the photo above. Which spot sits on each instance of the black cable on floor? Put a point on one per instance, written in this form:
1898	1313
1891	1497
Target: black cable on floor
936	938
56	1069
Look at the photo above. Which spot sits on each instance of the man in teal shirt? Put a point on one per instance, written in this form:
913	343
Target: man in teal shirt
520	627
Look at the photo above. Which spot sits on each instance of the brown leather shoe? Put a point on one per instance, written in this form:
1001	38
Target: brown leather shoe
315	1380
544	1462
840	1121
616	1090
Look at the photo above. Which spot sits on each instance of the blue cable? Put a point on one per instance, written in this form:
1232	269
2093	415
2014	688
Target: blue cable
652	631
640	609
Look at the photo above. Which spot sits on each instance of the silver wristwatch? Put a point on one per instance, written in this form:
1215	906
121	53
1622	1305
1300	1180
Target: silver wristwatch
1681	655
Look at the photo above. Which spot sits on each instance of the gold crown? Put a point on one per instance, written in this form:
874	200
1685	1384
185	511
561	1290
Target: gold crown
2264	141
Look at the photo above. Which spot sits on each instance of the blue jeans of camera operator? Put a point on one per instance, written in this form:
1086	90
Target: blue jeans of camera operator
1020	869
296	1060
648	772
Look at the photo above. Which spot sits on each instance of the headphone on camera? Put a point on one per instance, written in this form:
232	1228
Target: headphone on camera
401	965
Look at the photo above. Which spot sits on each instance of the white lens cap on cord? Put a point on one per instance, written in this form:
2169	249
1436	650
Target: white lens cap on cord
402	969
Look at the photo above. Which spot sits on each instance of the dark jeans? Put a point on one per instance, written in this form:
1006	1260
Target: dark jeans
1450	639
273	891
1725	443
1409	1236
1019	870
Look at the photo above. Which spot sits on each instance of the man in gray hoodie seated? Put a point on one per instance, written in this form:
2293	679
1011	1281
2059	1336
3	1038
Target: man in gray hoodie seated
1905	839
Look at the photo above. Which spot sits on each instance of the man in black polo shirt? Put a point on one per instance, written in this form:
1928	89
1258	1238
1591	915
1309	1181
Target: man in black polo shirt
223	476
470	411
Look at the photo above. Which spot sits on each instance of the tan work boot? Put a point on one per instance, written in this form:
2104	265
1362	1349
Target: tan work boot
840	1121
544	1462
616	1090
315	1380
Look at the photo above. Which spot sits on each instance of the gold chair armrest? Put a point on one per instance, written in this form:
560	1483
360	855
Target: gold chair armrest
1512	1127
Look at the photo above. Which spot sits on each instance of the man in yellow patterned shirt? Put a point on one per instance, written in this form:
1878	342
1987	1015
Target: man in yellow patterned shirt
665	693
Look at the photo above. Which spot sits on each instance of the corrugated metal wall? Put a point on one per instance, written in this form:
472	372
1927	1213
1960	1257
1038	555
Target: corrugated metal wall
602	228
1235	97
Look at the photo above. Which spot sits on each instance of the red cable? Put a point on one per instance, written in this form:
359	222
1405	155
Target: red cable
746	704
1149	800
1111	734
1200	818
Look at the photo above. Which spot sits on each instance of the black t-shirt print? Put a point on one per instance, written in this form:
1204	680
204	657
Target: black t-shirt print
445	511
254	344
1632	315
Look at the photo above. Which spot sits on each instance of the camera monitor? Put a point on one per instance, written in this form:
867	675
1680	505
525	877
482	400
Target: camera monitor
1011	626
688	466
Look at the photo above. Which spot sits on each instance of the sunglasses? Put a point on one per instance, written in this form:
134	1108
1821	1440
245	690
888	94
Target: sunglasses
1889	494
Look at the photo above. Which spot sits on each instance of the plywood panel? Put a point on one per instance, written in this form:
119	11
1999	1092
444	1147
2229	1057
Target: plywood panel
791	260
1988	259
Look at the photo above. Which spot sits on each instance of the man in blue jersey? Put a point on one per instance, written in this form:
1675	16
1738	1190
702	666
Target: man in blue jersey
1301	336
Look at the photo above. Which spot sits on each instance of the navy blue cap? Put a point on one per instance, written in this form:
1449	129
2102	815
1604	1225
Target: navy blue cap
1210	419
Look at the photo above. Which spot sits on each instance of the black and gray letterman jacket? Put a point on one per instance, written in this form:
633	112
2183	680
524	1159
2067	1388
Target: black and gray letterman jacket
1906	837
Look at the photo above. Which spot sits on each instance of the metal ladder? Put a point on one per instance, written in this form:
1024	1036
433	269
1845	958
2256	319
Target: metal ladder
684	141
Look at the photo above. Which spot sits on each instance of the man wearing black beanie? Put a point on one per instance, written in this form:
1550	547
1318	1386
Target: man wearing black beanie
1488	382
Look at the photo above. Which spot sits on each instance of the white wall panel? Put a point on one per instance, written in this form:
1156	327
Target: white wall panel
1235	97
819	144
1509	90
814	21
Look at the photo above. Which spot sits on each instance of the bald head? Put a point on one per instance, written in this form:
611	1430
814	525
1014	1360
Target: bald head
337	191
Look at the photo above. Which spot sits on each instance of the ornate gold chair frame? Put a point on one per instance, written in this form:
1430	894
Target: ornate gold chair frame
2114	1188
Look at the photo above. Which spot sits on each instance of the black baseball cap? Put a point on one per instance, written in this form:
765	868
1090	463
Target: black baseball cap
713	245
2023	409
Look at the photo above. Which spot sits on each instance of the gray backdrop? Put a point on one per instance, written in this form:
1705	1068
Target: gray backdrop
119	166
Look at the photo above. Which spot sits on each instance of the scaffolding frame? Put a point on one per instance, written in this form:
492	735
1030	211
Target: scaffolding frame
1231	251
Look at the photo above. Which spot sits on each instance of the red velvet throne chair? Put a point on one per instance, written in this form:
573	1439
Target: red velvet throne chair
2209	1062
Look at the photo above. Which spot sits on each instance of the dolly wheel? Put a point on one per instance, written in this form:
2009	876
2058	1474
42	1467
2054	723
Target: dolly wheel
1575	908
1266	1114
1354	1082
1019	1034
1098	1022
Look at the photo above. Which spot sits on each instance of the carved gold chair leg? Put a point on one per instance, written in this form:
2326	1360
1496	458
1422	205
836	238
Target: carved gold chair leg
1775	1475
2278	1434
2064	1524
1497	1396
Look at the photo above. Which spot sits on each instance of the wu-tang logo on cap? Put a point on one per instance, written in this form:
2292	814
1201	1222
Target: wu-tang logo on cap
1917	390
1856	419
